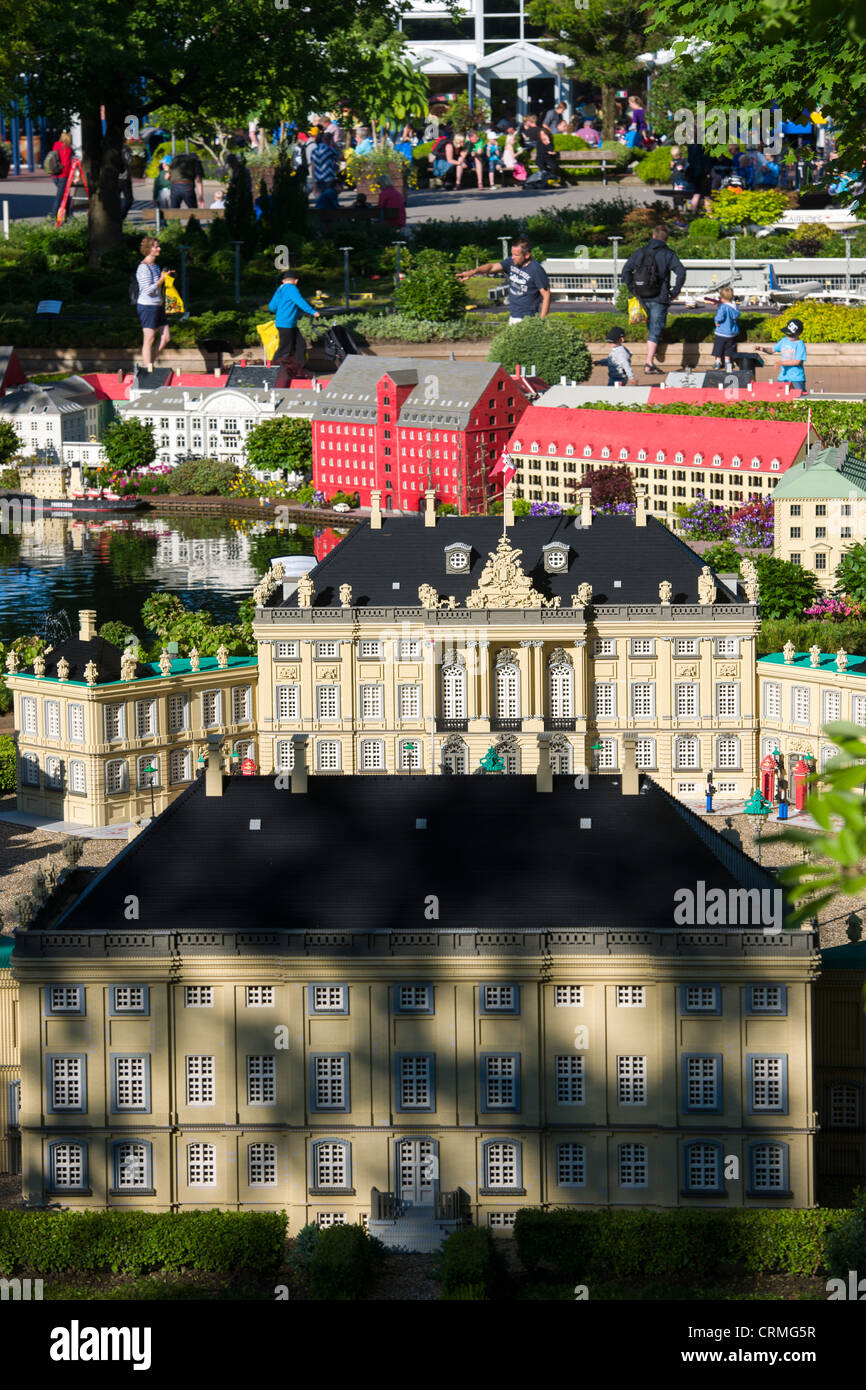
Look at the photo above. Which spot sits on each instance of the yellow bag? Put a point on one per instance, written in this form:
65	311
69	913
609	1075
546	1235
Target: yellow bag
270	336
636	312
173	301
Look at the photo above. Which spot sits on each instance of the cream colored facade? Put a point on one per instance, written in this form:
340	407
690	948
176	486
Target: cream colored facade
84	750
10	1064
554	478
797	698
614	1129
444	685
815	532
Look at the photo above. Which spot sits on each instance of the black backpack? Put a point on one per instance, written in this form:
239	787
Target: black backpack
647	277
133	290
438	149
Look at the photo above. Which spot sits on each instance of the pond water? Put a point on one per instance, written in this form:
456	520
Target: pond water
58	566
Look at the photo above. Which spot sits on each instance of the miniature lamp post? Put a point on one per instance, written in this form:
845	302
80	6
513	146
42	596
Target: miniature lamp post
411	749
616	241
759	807
201	762
237	245
398	247
710	791
151	778
235	763
505	240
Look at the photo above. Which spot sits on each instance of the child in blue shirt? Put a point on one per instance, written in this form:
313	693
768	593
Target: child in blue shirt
492	155
618	361
727	326
793	354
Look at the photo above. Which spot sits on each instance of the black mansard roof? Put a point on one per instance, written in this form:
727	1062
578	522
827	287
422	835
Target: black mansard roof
406	553
363	855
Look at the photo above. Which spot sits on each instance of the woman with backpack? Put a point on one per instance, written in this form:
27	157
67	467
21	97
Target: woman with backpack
57	164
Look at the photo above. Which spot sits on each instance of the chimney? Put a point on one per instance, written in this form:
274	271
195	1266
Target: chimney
217	372
544	775
563	381
376	510
640	511
532	370
585	495
186	400
299	767
429	507
508	505
630	779
213	775
86	624
517	371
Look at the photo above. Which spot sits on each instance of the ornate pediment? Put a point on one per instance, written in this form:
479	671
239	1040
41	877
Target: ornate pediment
504	583
559	657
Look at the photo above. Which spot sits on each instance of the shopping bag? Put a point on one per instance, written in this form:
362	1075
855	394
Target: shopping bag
269	334
636	311
519	172
173	301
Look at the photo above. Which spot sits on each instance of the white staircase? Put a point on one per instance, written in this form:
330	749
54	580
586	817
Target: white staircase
403	1226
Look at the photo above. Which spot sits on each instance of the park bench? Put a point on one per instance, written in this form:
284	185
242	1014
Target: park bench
155	217
609	167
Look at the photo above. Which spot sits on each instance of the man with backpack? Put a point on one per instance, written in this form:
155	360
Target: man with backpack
187	181
646	274
58	163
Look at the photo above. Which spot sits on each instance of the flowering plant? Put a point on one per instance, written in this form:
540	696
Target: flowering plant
615	509
704	520
752	525
545	509
835	608
370	167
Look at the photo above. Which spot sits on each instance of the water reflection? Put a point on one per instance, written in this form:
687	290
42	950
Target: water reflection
113	564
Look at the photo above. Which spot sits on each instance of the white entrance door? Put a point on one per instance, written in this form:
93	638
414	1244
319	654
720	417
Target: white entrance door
417	1167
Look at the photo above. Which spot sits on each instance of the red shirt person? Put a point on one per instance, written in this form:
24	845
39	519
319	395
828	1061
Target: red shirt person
63	149
392	199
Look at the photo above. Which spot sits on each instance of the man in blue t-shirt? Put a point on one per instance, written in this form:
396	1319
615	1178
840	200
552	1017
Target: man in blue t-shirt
287	306
528	285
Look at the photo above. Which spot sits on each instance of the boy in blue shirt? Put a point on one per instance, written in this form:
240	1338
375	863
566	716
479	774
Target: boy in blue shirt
618	360
793	354
287	306
727	325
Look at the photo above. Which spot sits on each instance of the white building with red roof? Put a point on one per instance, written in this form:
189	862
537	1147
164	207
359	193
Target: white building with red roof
677	457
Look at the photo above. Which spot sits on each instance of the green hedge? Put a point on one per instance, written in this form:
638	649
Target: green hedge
470	1261
342	1263
135	1242
619	1243
7	763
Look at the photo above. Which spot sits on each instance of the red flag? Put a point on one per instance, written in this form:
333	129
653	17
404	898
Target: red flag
505	467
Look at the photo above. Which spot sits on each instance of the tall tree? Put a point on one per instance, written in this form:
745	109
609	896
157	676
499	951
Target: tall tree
602	39
128	58
794	54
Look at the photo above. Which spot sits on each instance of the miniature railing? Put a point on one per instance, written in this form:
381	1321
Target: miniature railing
450	1206
505	726
560	725
452	726
385	1206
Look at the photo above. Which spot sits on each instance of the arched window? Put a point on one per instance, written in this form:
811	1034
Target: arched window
67	1166
454	691
30	770
244	749
569	449
501	1164
679	458
510	755
561	757
623	453
728	751
372	755
587	451
455	757
736	461
508	691
332	1164
410	754
551	448
561	680
605	453
604	757
131	1165
535	446
775	464
699	458
717	460
641	453
702	1167
687	753
768	1168
660	456
53	773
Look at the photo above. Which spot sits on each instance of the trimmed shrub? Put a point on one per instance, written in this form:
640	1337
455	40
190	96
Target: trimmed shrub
655	167
555	346
621	1244
846	1242
705	229
431	289
135	1242
7	763
470	1260
341	1264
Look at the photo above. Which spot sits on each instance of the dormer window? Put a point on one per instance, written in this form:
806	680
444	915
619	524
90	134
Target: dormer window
775	464
587	451
660	456
605	453
555	557
535	446
717	460
457	557
623	453
569	449
551	448
756	462
516	447
736	461
641	453
679	458
699	458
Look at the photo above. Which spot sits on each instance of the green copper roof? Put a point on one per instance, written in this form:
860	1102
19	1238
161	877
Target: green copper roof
6	945
180	664
852	956
826	662
832	472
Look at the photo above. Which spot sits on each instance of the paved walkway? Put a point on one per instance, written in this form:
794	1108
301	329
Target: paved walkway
65	827
470	204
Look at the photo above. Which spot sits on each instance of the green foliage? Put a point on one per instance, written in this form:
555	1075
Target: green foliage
655	167
466	1293
281	444
10	446
815	883
203	477
431	289
131	555
116	633
724	558
10	478
129	444
468	257
165	614
829	635
470	1257
705	229
342	1263
464	117
620	1243
763	206
785	589
555	345
851	572
7	763
134	1242
846	1243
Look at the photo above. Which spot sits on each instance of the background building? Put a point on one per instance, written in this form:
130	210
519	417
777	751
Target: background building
418	644
10	1064
800	692
51	419
678	457
212	423
420	1027
840	1074
91	751
820	510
